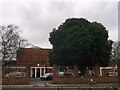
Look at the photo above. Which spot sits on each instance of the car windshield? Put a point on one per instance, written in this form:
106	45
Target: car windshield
45	75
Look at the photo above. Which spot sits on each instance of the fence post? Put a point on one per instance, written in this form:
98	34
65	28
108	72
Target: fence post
75	70
54	71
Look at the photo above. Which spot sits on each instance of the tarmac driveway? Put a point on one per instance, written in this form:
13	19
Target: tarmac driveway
39	82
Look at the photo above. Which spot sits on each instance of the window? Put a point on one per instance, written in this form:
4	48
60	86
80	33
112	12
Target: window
15	72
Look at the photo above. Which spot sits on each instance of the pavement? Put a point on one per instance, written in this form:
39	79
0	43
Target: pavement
62	87
46	85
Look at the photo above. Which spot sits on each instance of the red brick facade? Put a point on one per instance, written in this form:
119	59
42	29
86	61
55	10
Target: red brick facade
32	61
37	59
33	56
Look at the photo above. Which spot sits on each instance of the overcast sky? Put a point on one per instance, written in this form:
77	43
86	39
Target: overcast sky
37	19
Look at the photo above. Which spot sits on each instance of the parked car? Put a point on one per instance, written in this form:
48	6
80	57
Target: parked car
47	76
68	75
15	74
63	74
60	74
110	74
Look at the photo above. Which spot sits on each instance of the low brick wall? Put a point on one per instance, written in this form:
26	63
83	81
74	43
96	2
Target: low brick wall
79	80
15	81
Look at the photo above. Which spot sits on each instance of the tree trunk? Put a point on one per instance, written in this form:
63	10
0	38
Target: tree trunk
75	70
97	70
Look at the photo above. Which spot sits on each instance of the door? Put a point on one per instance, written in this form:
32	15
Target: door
38	72
33	72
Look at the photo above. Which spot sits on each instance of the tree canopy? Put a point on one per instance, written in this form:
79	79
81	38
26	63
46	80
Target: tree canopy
79	41
11	41
115	53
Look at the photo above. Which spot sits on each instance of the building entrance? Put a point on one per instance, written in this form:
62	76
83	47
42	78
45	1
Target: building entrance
36	72
33	72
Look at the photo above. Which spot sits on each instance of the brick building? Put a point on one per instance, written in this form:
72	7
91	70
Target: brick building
36	59
35	63
31	63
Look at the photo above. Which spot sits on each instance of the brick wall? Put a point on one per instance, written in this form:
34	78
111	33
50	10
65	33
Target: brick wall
15	81
78	80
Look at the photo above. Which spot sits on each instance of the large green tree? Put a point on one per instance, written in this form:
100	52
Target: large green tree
79	41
